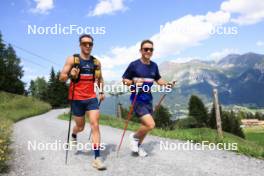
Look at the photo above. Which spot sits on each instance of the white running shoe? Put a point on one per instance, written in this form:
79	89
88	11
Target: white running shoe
133	143
142	152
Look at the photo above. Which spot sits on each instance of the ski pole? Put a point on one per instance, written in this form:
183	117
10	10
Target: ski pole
126	123
163	97
69	128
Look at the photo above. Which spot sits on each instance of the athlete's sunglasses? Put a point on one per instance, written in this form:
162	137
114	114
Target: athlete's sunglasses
89	44
148	49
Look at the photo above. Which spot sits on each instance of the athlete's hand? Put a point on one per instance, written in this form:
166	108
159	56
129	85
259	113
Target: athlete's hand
139	82
75	72
101	97
170	85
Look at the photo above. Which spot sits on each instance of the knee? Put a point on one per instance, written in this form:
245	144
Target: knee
80	128
94	125
151	126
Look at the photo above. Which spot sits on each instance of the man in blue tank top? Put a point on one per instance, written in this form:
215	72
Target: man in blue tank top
142	73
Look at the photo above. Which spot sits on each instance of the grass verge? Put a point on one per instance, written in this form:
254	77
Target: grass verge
14	108
255	134
197	135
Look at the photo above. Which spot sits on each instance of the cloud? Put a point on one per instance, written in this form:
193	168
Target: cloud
260	43
43	6
216	56
247	11
185	59
173	37
186	32
105	7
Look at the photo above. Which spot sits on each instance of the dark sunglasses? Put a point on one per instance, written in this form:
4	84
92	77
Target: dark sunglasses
87	43
148	49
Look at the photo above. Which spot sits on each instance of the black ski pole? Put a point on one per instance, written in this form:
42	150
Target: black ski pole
69	128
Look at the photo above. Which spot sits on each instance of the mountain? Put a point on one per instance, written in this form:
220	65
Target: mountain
238	78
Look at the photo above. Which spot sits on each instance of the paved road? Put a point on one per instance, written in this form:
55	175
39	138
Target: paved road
47	128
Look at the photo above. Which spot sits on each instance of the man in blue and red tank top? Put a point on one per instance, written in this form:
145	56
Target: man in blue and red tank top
140	76
84	100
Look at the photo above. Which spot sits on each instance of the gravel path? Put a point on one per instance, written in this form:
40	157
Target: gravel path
47	128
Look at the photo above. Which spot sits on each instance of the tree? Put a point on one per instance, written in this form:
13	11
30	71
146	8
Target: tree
57	92
10	70
163	118
212	117
198	111
32	88
38	88
258	115
231	123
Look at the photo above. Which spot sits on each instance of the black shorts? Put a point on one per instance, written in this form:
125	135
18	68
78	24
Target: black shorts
79	107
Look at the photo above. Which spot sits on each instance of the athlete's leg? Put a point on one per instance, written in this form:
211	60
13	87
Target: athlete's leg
147	124
94	123
79	124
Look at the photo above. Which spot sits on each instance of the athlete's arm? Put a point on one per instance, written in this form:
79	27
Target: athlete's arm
67	68
162	82
100	84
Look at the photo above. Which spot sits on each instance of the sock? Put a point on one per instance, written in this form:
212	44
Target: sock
96	150
74	136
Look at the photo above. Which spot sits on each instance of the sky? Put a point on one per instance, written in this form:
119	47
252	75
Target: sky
181	31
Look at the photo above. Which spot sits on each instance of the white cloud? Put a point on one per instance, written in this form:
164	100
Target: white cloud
260	43
174	37
216	56
186	32
105	7
43	6
185	59
248	11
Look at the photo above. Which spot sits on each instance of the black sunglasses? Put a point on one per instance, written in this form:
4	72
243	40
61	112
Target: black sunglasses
87	43
148	49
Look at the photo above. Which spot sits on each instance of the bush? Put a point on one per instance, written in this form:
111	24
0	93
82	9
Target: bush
231	123
162	118
189	122
5	133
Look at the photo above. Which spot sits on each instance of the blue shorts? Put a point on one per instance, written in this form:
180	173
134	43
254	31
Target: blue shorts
79	107
141	108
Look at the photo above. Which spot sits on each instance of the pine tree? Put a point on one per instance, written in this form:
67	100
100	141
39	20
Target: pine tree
51	90
57	92
10	70
2	63
198	111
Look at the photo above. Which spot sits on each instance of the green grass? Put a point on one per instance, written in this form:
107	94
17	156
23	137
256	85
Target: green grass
255	134
197	135
12	109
